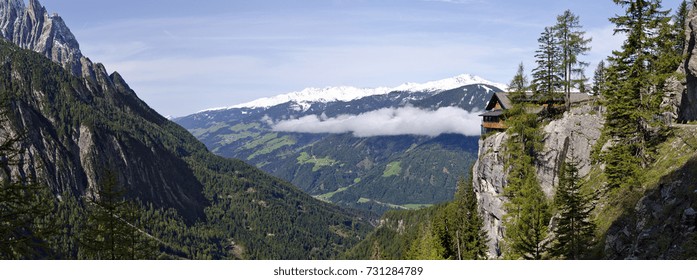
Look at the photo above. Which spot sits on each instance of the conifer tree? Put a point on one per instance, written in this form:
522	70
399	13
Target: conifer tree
632	99
111	231
518	85
575	230
470	239
426	247
527	219
547	76
599	79
528	212
572	43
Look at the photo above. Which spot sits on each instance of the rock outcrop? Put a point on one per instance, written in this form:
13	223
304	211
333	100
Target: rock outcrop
570	137
32	27
488	181
680	99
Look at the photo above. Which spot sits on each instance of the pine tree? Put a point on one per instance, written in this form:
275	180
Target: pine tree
111	231
518	86
599	79
528	212
632	99
426	247
547	76
680	23
669	48
526	221
575	230
470	239
573	44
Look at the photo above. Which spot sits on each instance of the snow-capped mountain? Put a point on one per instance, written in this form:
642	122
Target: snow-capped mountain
380	168
347	93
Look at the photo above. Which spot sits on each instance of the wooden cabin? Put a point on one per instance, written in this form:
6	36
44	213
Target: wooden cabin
493	118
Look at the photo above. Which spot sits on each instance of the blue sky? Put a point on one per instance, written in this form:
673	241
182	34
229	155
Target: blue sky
185	56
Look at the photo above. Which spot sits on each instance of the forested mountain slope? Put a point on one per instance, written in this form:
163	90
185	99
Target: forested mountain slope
72	134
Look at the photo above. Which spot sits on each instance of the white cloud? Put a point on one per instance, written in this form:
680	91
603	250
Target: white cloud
389	122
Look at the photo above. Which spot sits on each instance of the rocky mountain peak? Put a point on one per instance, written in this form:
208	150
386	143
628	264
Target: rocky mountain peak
32	27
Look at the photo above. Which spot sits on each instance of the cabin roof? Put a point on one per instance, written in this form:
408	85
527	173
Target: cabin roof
502	98
492	113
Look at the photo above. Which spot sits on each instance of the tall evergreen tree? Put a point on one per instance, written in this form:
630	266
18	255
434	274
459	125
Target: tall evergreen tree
528	212
426	247
548	75
572	43
669	48
599	79
632	100
470	239
110	231
680	22
518	86
527	219
575	230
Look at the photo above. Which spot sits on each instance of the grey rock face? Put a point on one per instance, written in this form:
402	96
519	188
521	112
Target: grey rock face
488	181
687	99
571	137
31	27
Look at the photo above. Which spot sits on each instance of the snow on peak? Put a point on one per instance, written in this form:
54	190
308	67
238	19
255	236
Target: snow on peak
347	93
446	84
327	94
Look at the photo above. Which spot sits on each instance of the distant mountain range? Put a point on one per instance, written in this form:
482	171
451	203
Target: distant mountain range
372	149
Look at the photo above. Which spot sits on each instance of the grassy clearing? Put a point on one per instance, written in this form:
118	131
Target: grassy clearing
198	132
273	145
244	126
260	141
327	196
231	138
393	169
319	163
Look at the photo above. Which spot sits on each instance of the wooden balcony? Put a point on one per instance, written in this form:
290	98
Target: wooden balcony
494	125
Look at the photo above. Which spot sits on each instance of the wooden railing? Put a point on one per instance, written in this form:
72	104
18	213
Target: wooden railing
494	125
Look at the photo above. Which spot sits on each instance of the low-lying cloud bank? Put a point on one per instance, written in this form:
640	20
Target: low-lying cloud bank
390	122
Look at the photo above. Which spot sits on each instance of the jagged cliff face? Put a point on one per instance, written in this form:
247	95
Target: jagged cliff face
83	152
571	137
32	27
75	156
680	99
488	181
76	131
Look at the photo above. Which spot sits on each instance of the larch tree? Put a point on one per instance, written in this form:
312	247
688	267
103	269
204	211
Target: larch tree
572	44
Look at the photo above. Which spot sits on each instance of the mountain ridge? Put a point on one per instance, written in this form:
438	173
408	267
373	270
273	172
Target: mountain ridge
349	93
356	172
79	125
